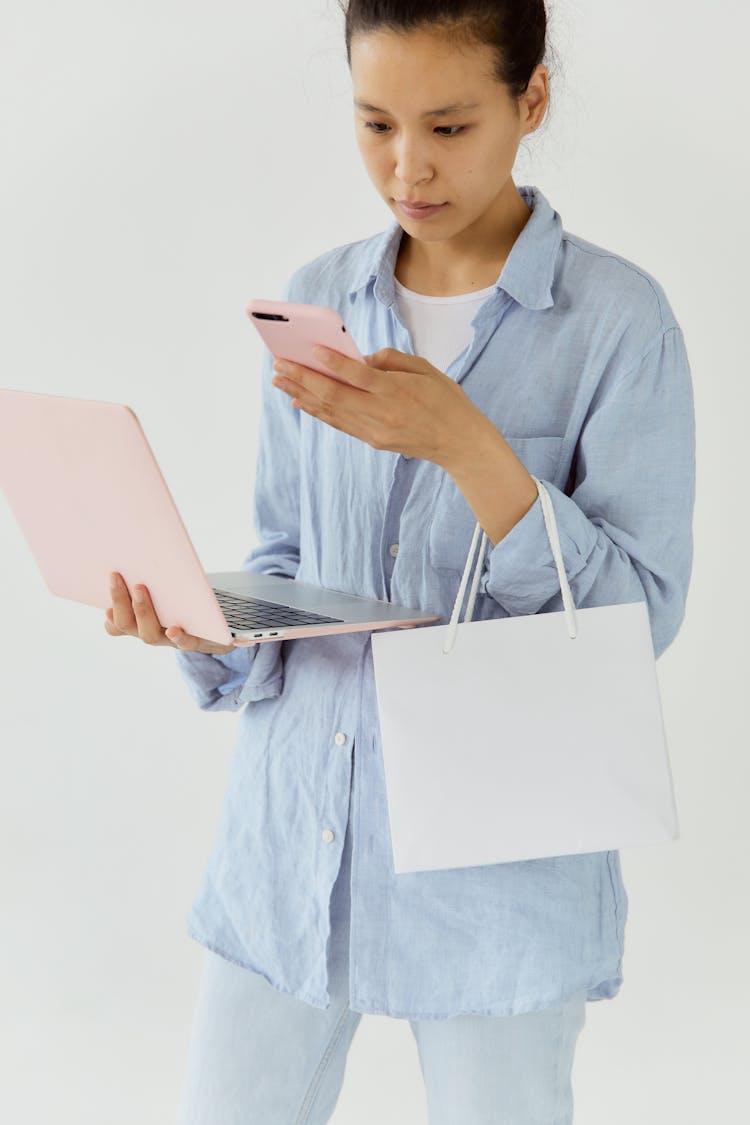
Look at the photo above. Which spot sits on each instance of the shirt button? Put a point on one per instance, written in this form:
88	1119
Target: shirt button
340	738
327	835
393	550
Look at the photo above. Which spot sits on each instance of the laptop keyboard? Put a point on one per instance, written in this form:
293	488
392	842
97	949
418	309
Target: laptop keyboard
254	613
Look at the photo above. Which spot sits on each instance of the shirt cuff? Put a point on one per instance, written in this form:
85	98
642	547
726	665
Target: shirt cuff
520	572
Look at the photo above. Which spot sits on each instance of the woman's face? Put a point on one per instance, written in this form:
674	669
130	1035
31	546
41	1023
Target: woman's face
463	158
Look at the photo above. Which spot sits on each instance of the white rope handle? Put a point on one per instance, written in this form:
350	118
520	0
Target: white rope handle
550	524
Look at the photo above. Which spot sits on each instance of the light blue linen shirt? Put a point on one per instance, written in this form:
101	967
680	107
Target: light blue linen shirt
578	360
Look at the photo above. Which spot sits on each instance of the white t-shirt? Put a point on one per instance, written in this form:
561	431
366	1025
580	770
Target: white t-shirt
440	326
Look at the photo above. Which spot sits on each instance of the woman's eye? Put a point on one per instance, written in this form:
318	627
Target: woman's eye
378	128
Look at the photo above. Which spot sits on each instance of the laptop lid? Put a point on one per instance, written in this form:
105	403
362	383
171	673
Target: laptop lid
89	496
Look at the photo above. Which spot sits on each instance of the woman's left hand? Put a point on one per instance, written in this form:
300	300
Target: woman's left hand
393	401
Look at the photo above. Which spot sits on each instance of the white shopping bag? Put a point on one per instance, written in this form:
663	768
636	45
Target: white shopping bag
521	737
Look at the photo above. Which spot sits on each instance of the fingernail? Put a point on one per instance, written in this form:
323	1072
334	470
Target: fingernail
138	594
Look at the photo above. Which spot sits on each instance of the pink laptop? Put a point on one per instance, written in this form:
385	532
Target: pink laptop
89	496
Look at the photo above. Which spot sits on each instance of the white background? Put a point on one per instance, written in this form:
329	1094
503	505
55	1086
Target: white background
163	163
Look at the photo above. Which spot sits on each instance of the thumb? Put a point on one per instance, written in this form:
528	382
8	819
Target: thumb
391	359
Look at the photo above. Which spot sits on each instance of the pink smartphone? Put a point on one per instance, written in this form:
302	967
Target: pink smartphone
291	330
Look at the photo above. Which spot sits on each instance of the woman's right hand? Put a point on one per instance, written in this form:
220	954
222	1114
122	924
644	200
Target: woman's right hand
129	618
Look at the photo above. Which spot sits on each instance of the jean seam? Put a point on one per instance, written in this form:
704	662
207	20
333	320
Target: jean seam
323	1065
566	1015
556	1107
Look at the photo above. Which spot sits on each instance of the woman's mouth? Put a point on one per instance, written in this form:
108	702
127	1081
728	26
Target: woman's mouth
424	212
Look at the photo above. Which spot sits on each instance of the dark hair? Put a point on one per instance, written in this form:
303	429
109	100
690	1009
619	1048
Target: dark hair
516	29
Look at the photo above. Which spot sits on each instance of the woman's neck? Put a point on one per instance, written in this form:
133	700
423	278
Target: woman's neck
451	267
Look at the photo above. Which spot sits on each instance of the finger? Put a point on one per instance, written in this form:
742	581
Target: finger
186	642
309	388
149	627
384	359
391	359
293	378
122	606
347	368
110	626
182	640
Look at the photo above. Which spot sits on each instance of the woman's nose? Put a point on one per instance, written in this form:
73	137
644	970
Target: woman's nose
410	168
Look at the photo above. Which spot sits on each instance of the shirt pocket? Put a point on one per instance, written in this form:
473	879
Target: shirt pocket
453	521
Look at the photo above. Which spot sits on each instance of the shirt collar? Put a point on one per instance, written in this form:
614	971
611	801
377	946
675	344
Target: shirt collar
526	276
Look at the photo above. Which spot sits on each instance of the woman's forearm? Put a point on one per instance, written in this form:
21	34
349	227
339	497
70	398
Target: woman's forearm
496	485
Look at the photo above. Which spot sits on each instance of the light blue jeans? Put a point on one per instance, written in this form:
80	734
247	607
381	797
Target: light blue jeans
258	1056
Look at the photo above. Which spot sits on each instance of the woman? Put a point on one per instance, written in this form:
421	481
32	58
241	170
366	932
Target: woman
501	346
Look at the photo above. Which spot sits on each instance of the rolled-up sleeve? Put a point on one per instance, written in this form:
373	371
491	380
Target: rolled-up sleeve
626	530
226	681
257	672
